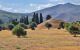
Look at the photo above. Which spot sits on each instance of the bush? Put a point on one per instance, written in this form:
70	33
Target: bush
19	31
23	25
33	25
61	25
0	28
73	30
10	27
48	17
48	25
15	23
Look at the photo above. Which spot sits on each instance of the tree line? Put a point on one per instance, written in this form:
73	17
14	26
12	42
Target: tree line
36	18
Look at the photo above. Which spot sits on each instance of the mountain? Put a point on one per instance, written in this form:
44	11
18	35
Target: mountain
6	16
67	12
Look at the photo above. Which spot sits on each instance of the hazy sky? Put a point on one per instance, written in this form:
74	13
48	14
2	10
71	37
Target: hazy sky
24	6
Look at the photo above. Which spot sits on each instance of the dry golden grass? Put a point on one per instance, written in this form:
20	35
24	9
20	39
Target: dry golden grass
43	39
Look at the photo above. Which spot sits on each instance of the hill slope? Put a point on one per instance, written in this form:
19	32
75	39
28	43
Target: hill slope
55	23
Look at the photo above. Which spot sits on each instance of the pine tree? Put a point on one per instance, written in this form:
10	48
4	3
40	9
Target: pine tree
41	18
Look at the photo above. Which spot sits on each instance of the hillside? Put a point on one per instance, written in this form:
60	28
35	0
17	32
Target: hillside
67	12
55	23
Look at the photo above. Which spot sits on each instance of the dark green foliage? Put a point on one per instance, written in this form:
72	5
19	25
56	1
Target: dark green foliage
35	18
15	23
10	27
41	18
61	25
19	31
0	28
67	25
33	25
48	17
22	20
23	25
48	25
26	20
74	30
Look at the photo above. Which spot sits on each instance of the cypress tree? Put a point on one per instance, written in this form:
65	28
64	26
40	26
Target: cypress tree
22	19
26	20
41	18
37	18
33	19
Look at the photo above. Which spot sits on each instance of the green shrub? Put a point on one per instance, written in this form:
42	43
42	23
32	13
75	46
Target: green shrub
10	27
15	23
67	25
61	25
33	25
19	31
73	28
48	25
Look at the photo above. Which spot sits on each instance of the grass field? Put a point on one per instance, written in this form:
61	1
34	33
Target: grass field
44	39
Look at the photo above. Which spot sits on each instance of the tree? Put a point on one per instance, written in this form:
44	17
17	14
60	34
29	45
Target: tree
48	17
33	25
48	25
19	31
22	19
0	28
33	19
14	22
10	27
37	18
26	20
61	25
41	18
74	30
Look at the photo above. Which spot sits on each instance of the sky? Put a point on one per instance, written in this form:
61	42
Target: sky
27	6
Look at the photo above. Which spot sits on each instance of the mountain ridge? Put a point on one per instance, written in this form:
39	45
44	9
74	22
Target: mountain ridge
68	12
61	10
